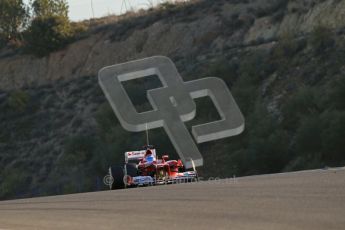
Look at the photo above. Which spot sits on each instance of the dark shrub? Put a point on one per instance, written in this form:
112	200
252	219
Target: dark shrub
48	34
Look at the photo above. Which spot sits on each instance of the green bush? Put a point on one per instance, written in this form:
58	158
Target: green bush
48	34
78	149
223	69
303	103
15	183
308	136
267	143
18	100
321	39
335	94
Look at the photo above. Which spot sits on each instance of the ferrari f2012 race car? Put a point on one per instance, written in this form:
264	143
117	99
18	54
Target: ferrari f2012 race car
144	168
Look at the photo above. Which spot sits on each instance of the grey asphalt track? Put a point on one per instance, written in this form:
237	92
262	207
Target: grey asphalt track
301	200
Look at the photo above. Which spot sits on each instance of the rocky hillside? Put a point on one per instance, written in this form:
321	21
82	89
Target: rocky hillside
283	60
191	33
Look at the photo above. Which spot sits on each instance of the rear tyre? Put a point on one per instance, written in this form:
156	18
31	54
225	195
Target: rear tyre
117	174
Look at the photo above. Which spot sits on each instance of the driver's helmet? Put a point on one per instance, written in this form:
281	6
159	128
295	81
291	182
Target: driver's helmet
148	156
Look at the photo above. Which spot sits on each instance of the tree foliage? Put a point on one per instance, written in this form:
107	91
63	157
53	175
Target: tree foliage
50	28
47	8
13	18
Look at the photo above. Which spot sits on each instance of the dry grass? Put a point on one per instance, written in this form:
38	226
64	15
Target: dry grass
95	23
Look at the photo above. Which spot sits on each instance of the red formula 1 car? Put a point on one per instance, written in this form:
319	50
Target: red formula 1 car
144	167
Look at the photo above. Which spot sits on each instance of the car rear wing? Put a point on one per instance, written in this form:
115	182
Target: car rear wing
137	155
